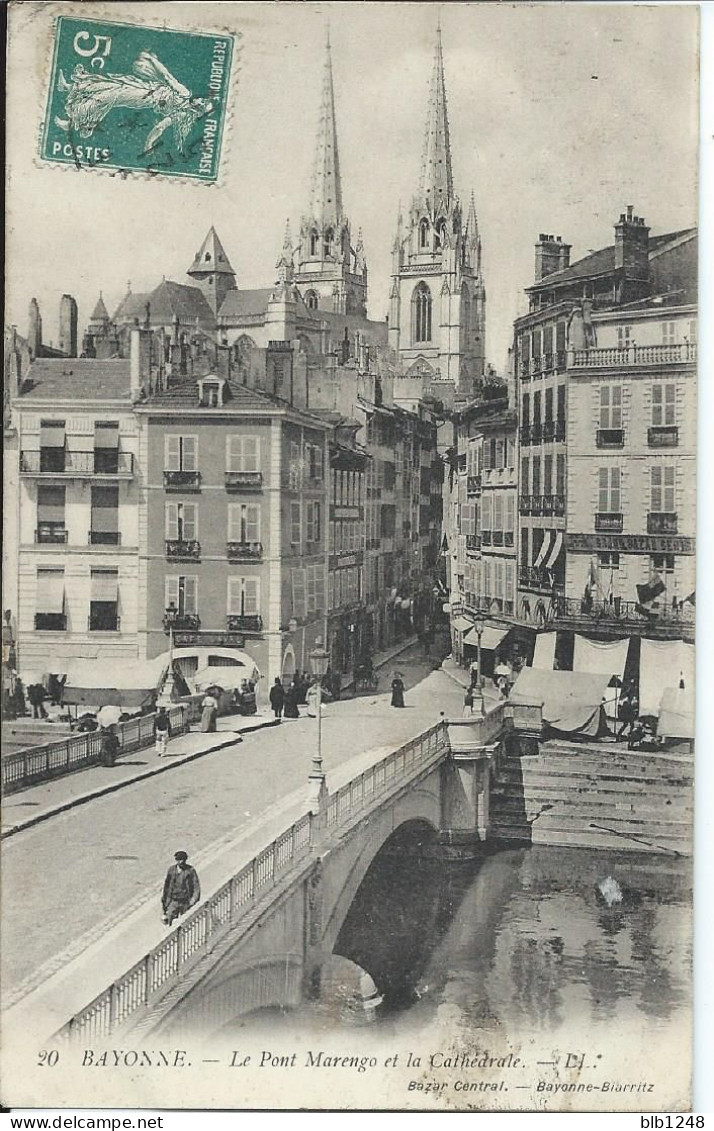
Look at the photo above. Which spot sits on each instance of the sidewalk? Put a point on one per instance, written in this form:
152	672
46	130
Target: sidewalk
29	806
462	676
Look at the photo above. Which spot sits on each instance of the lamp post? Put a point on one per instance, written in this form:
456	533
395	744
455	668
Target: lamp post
479	627
319	660
167	690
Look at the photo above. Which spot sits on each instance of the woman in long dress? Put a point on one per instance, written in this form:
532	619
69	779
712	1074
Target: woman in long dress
397	691
209	710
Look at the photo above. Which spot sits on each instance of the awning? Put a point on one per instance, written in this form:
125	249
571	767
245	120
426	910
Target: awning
462	624
555	550
544	651
106	435
676	714
50	504
52	434
105	584
50	591
545	546
124	683
491	637
572	701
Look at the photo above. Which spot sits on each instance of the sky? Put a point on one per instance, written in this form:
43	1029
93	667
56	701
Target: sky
560	116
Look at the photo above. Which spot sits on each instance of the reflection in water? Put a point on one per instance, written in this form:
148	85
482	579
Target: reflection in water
522	941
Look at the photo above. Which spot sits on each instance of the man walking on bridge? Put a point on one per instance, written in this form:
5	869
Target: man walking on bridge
181	888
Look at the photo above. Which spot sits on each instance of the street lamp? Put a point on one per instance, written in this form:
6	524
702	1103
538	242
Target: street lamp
319	661
479	627
170	617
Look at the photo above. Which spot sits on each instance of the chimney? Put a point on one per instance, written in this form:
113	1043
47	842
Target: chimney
139	362
551	254
68	326
632	254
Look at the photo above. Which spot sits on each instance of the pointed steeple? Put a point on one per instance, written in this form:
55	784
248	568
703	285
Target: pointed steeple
326	189
100	313
285	261
472	223
211	258
436	186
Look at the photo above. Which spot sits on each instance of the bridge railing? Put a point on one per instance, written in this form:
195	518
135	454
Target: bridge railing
53	759
155	974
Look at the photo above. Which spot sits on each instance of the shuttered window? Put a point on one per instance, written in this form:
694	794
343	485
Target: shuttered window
243	596
182	593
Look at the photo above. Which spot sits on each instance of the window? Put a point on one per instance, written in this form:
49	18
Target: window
498	511
181	522
510	582
315	454
50	514
500	460
547	475
662	563
510	512
180	453
311	300
244	523
498	571
242	453
313	521
664	399
52	445
330	591
609	490
424	234
243	596
609	560
537	346
329	241
561	402
106	447
421	313
624	337
295	524
611	406
182	593
669	335
548	404
49	607
662	489
536	408
104	516
104	601
295	469
486	503
525	535
315	584
314	242
536	475
560	475
525	475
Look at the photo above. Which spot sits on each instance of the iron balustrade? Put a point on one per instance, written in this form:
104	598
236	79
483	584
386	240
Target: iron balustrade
187	622
560	429
663	436
525	434
486	539
623	612
104	538
50	622
158	971
182	480
103	623
244	551
244	481
51	532
473	484
662	522
608	522
247	622
497	537
548	430
473	543
610	438
183	549
54	759
76	464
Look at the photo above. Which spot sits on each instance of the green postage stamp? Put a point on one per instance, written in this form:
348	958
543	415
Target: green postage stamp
136	98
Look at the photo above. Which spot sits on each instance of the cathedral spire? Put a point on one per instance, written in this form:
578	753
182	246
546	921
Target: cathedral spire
326	190
472	222
436	187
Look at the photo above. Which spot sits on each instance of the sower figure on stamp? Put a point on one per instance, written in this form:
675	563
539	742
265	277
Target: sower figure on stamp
181	888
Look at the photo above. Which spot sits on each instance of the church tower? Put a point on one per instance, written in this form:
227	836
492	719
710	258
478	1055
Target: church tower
437	298
329	273
68	326
34	332
212	272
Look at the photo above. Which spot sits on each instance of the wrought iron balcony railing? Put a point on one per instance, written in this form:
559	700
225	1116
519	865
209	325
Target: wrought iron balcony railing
77	465
473	484
244	481
244	551
608	522
183	549
610	438
104	538
103	622
50	622
182	480
663	436
182	622
51	532
473	543
248	622
662	522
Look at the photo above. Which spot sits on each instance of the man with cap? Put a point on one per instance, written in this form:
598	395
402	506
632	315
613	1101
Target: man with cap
181	888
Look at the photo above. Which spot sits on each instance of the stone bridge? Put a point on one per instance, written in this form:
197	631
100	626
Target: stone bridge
321	887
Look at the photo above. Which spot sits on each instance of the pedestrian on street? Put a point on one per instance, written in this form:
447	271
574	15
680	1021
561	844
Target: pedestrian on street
108	746
209	710
37	694
468	702
181	888
291	702
277	698
397	691
162	730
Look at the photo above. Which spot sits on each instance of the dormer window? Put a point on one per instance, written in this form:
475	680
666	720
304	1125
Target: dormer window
207	257
211	392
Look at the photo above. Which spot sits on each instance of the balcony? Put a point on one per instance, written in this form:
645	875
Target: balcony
104	538
608	522
549	505
675	619
548	430
50	622
103	622
610	438
536	433
244	481
525	504
662	522
675	354
497	537
525	434
538	578
182	480
57	462
473	484
560	430
486	538
51	533
508	538
244	551
236	622
183	549
663	436
473	543
182	622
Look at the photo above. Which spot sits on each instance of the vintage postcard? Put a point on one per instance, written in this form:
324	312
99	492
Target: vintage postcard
349	531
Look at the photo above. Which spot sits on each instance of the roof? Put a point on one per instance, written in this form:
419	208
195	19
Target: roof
100	312
185	395
245	304
73	378
602	262
167	302
211	257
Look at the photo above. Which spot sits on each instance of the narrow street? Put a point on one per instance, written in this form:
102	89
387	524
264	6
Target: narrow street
81	871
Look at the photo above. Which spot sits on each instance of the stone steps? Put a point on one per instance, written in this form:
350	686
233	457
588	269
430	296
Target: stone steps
591	838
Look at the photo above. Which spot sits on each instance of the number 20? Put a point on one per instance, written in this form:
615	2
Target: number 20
83	36
48	1059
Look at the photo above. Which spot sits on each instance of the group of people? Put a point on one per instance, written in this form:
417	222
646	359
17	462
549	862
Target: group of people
16	696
